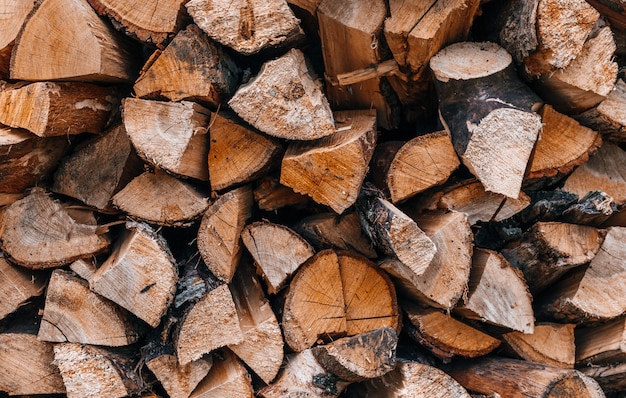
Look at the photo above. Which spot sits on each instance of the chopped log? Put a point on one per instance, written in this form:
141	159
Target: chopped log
411	379
262	345
285	101
12	16
271	195
309	6
611	378
178	381
532	33
62	108
331	170
562	145
209	324
497	293
303	376
362	22
247	26
593	387
613	10
17	287
517	379
190	68
38	232
609	117
484	106
170	136
65	39
227	378
550	344
161	199
332	231
83	268
394	233
219	239
151	23
139	275
594	293
445	336
75	314
601	172
549	249
278	252
593	209
98	169
601	345
360	357
337	294
26	367
406	169
238	154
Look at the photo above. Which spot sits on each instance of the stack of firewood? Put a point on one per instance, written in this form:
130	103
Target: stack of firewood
312	198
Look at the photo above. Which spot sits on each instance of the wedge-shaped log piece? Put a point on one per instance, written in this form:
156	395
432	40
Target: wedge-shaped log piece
139	275
285	101
219	236
412	379
209	324
549	249
595	293
26	367
609	117
178	381
51	109
445	336
247	26
12	16
171	136
518	379
498	293
271	195
304	377
152	23
190	68
563	145
84	269
262	345
601	345
161	199
98	169
550	344
238	154
395	233
227	378
65	39
489	113
337	294
37	232
602	172
17	287
331	170
277	251
593	387
360	357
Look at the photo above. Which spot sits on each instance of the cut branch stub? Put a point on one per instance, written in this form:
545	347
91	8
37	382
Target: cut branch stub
337	294
285	101
485	105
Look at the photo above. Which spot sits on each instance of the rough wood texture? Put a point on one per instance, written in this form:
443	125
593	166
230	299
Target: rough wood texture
285	101
238	154
601	345
98	169
227	378
609	117
612	378
12	16
190	68
179	381
549	249
62	108
277	252
37	232
161	199
26	367
46	47
595	208
497	293
219	239
337	294
331	170
153	23
17	287
271	195
210	323
75	314
550	344
484	106
247	26
139	275
171	136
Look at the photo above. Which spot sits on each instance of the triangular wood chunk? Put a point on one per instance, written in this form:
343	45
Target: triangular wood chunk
609	117
178	381
12	16
271	195
17	286
228	378
550	344
601	345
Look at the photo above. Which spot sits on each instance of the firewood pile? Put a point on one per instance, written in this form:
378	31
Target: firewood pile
313	198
